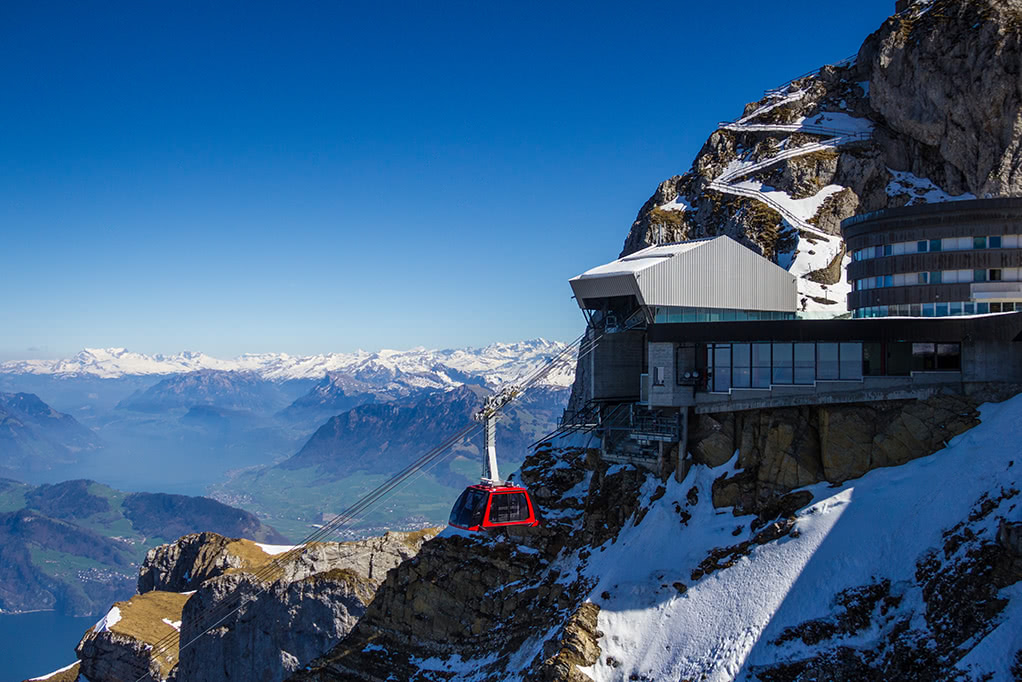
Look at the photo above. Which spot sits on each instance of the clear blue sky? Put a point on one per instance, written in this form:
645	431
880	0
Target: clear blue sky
322	176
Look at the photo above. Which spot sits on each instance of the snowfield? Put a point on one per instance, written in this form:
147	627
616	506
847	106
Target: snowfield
856	534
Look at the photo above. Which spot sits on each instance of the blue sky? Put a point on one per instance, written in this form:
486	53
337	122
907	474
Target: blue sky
309	177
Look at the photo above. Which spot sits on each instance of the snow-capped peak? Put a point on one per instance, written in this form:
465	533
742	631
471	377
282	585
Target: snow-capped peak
496	363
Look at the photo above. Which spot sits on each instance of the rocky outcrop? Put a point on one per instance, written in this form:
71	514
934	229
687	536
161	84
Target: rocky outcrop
783	449
268	609
313	598
137	637
191	560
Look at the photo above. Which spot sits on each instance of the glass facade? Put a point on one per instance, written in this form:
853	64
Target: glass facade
902	279
1007	241
765	364
667	314
937	309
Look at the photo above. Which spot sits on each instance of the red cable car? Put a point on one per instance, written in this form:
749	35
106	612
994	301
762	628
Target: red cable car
484	506
493	503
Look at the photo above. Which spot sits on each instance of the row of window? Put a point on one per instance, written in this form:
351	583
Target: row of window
762	365
937	277
937	309
681	314
1007	241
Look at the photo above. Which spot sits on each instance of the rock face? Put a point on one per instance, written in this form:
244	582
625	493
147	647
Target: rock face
312	600
920	64
271	609
934	107
782	449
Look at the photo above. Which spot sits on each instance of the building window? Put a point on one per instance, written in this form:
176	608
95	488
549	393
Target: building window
982	308
921	246
761	365
979	275
888	249
722	367
935	245
936	277
924	278
942	310
851	361
827	361
979	242
658	376
995	242
949	356
741	359
995	275
805	363
888	280
872	359
782	363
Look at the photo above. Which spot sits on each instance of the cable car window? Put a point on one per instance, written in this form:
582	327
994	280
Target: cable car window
468	510
508	508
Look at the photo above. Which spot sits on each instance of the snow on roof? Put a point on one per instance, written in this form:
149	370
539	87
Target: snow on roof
646	258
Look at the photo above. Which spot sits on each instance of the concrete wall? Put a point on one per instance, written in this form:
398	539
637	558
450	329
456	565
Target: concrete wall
617	364
669	394
991	361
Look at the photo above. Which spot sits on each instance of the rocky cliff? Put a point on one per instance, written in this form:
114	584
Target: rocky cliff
928	110
268	610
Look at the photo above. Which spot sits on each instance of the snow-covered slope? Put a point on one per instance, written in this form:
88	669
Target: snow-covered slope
495	364
869	539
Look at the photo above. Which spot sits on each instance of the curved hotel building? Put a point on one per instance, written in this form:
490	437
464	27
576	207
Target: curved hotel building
936	260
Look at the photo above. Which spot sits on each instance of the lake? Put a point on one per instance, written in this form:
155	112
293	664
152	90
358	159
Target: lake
34	644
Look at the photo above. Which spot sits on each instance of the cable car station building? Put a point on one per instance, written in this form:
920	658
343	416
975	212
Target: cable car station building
710	326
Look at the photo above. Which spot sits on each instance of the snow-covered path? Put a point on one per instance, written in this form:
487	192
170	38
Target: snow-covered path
842	128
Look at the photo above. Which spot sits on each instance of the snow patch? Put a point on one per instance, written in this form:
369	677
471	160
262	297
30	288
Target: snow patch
274	550
112	618
920	190
176	624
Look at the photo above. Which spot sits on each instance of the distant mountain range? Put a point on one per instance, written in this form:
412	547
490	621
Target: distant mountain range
35	438
494	364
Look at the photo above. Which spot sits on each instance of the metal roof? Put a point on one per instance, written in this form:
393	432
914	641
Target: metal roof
715	272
